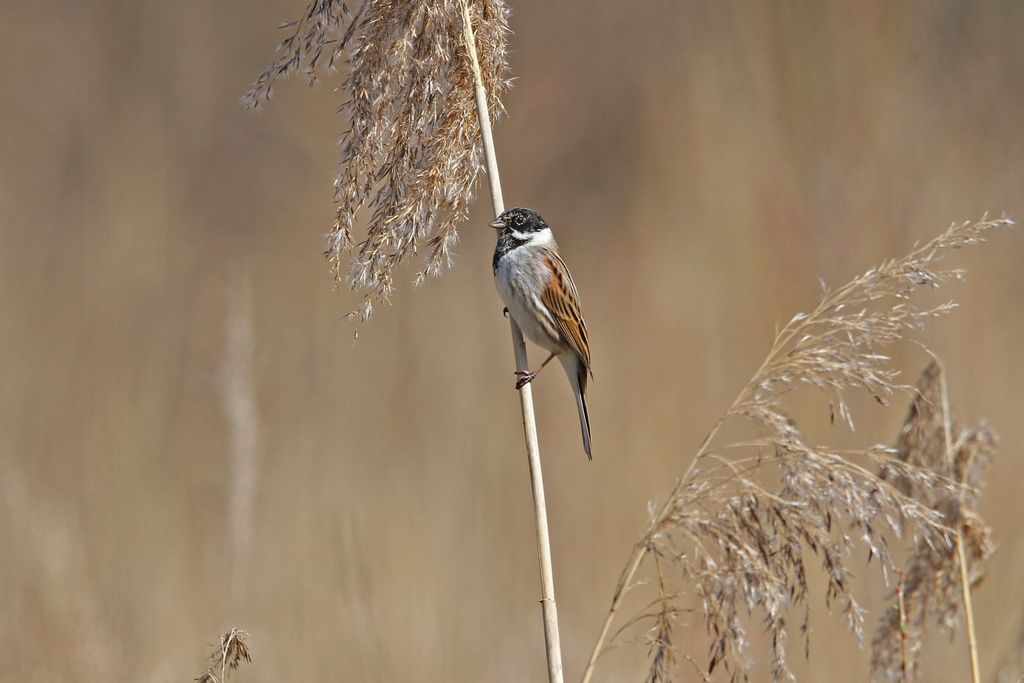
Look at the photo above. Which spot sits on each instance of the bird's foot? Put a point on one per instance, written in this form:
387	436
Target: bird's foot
524	378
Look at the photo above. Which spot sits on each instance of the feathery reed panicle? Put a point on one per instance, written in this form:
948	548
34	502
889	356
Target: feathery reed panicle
226	656
932	587
411	152
735	536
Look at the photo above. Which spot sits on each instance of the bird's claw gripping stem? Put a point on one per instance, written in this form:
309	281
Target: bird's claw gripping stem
524	378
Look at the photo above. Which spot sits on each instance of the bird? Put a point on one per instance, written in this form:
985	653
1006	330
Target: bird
538	292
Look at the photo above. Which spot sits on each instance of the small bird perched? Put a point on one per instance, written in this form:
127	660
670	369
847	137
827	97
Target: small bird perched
539	293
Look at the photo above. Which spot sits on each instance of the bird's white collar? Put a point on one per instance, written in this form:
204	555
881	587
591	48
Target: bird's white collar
535	239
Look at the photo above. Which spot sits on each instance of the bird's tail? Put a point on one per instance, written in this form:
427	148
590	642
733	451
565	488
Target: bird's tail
579	387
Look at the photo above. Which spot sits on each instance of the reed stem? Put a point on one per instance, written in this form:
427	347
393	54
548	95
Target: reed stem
965	582
901	605
547	601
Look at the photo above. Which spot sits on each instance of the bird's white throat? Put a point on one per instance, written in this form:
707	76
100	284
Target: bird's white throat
535	239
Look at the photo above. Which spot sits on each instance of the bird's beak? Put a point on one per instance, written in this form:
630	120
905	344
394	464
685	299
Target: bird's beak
497	224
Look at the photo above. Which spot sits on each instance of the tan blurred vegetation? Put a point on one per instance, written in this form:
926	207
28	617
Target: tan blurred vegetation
190	441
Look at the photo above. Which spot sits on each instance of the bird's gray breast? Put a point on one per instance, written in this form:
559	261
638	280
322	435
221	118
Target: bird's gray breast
521	276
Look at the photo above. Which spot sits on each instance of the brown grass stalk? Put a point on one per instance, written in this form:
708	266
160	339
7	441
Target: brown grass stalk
901	605
961	556
965	592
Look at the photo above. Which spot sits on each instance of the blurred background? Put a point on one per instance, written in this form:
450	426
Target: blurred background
190	440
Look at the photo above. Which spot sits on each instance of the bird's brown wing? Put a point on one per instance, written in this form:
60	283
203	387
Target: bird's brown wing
563	302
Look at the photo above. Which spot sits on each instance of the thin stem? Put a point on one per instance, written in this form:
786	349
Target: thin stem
548	606
965	581
965	588
225	646
904	636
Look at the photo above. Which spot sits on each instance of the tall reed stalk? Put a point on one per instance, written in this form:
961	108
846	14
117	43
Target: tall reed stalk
418	116
547	581
961	555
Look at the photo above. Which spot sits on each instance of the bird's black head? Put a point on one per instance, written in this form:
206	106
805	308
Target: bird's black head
518	228
523	221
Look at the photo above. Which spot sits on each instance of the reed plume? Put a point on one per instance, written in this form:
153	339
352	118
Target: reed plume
226	656
931	592
411	151
737	534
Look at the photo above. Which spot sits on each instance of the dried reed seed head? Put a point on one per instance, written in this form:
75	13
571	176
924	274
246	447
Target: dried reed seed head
922	443
411	152
234	649
931	589
743	524
226	656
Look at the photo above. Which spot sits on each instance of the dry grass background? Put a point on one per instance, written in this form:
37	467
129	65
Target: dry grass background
190	442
